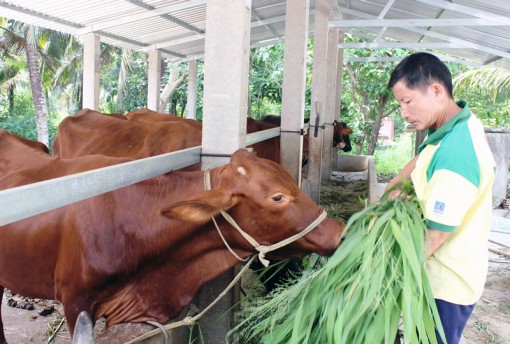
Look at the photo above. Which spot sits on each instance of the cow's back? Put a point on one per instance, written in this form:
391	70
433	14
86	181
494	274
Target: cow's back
91	132
146	115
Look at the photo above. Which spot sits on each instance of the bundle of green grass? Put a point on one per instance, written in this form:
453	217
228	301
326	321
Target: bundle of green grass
374	284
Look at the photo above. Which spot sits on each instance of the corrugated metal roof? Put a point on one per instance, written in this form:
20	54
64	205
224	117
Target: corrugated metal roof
479	31
472	32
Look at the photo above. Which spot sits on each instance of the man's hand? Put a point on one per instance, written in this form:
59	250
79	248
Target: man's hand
436	239
405	174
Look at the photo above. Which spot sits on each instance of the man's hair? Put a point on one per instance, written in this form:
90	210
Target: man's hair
420	70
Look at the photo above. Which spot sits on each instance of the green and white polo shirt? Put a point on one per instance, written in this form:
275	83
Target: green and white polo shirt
453	180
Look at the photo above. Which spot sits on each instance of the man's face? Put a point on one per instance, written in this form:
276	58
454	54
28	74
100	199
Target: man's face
417	106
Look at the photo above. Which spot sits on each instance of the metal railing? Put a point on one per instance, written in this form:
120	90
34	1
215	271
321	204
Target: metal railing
28	200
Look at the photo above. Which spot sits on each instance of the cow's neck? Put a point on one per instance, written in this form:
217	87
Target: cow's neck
199	239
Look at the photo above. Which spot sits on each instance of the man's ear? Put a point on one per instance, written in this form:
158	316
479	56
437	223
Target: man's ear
202	207
438	89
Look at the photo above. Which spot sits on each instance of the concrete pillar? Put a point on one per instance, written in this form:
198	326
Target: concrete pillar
91	70
226	58
154	80
317	106
191	104
225	78
330	104
294	85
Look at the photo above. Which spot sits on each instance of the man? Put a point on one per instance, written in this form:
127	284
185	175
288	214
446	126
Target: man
452	175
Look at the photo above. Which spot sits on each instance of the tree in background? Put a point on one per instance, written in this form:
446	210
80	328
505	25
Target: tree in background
40	50
17	38
488	92
369	98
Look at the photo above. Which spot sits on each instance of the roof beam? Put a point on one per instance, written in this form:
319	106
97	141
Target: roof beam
167	16
443	58
376	45
437	35
416	22
465	10
39	15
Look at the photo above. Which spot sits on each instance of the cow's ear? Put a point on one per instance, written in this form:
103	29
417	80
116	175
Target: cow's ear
202	207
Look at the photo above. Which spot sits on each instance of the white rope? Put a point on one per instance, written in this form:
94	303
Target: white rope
226	243
262	249
162	328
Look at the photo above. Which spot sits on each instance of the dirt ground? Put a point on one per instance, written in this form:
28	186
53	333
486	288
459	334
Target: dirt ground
490	322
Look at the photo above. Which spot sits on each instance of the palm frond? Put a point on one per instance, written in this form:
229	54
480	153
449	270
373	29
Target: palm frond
495	81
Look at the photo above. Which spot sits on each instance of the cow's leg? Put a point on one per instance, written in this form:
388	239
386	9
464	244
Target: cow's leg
2	335
73	306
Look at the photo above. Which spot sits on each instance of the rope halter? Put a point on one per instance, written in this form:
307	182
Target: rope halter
262	249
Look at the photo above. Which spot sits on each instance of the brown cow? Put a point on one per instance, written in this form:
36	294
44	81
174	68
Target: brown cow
145	133
341	131
140	253
146	115
91	132
267	149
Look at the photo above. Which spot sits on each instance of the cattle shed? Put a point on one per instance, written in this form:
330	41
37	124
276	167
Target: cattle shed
221	33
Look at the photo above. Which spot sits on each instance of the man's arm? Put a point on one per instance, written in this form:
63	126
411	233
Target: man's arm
405	173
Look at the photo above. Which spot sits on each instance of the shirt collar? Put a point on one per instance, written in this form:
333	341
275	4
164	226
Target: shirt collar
435	136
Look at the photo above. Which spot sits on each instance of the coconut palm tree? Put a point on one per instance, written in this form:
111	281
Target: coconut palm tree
38	98
15	39
495	81
44	51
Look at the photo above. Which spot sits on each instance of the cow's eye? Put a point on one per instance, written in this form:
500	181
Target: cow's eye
278	198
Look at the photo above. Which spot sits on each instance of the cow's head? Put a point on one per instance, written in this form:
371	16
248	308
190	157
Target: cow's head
265	202
339	130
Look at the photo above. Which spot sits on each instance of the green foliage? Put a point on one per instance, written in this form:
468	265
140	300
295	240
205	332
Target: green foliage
124	73
391	159
493	114
21	125
266	80
365	96
375	279
487	92
493	82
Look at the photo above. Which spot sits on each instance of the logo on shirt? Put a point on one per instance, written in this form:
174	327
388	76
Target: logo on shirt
439	208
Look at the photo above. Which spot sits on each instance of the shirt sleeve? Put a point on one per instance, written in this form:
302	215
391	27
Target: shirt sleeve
448	198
